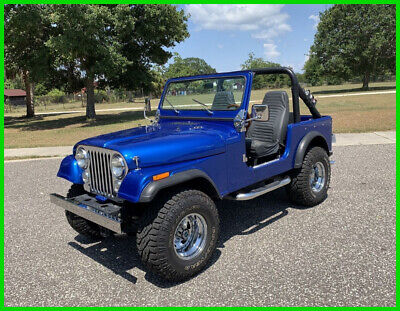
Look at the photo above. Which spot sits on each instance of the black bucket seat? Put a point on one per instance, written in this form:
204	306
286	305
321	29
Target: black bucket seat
263	138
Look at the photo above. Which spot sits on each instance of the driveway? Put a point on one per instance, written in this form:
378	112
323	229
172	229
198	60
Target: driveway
271	253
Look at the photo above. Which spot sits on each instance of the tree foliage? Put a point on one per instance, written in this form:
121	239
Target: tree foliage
188	67
116	44
354	40
25	32
313	71
264	81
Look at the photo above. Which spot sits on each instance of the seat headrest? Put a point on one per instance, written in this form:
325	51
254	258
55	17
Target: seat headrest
276	98
222	100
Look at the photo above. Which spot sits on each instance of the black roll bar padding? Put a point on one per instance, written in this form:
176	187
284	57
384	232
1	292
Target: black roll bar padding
296	91
311	106
295	86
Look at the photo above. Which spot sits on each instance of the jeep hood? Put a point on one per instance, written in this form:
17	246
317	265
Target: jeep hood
164	143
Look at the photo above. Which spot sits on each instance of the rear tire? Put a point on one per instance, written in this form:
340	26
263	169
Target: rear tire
177	239
310	183
79	224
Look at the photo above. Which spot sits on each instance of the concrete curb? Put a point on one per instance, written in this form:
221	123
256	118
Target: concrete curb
344	139
374	138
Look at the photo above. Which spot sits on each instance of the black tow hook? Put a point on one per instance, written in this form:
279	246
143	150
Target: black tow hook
104	232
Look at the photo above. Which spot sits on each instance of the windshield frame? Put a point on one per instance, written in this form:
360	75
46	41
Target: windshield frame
202	113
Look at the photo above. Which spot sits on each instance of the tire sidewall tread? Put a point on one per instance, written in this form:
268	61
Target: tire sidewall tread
155	237
299	190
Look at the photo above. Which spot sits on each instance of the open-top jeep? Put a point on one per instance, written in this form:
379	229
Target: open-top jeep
161	181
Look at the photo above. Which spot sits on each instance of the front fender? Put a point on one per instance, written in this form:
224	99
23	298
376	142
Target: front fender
152	188
70	170
138	185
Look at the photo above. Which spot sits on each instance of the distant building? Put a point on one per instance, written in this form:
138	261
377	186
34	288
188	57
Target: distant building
15	97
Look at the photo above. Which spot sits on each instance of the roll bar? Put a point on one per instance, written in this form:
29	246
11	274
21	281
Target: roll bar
297	91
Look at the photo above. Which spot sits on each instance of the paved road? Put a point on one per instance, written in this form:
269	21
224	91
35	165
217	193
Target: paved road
271	253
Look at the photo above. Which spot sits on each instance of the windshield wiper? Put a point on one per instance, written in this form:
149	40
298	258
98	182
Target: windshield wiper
204	105
176	111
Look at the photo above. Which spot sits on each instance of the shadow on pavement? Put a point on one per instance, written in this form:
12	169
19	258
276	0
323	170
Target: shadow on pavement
118	253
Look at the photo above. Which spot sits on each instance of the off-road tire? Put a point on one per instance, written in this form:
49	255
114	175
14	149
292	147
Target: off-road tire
299	190
79	224
155	237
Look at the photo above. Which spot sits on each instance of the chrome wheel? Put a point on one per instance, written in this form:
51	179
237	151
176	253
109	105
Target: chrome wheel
317	177
190	236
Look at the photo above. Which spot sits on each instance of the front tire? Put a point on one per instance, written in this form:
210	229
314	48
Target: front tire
79	224
178	239
310	183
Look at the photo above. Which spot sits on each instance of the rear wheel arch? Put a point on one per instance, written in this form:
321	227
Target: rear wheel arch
311	139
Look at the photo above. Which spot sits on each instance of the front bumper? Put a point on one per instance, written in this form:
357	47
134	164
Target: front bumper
87	207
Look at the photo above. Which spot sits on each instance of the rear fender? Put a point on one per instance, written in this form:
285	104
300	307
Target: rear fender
311	138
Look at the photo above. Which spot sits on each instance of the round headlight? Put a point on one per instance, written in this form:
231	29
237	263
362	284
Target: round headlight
82	157
118	166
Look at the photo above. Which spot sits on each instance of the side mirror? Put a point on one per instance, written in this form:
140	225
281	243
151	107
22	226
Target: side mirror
147	105
260	112
147	108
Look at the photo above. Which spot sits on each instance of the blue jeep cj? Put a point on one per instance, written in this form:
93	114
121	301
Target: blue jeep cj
161	181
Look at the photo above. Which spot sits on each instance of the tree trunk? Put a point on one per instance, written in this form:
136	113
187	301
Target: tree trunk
130	97
365	81
30	109
90	110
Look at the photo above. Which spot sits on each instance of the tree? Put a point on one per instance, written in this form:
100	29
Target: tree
188	67
356	40
313	71
25	32
114	44
264	81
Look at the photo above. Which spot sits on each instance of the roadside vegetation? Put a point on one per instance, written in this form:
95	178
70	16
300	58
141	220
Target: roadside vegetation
350	114
67	59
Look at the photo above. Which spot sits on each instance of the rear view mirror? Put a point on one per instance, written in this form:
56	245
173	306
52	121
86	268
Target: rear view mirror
260	112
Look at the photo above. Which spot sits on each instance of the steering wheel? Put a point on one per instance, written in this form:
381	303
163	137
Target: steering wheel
233	105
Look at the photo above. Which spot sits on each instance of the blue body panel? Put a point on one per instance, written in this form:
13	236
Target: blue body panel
70	170
196	140
166	142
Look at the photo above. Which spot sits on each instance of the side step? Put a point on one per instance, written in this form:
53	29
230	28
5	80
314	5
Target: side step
261	190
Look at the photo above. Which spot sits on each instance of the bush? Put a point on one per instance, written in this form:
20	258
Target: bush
101	96
56	96
40	89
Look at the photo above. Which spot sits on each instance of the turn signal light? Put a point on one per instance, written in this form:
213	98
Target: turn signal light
160	176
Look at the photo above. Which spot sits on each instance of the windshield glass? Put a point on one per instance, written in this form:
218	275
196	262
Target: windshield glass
205	94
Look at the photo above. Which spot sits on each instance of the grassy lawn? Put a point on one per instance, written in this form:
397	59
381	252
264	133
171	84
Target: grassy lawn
350	114
76	106
66	129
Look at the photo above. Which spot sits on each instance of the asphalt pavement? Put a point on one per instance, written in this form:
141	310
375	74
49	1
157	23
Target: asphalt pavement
271	253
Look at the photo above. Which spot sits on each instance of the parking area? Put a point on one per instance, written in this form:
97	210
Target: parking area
271	253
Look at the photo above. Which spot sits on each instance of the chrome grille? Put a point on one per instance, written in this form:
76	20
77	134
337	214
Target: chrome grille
101	179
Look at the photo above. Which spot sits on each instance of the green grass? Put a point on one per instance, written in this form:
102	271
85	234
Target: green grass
65	130
350	114
75	106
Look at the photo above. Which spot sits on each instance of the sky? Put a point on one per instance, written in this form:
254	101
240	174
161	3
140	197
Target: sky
224	34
